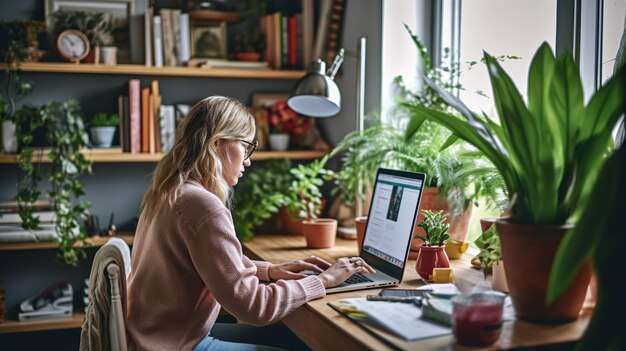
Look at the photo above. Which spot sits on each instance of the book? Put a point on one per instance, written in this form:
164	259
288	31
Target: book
148	37
219	63
13	206
169	57
291	51
307	32
175	17
22	235
320	38
14	217
168	127
155	101
158	41
185	40
134	99
145	120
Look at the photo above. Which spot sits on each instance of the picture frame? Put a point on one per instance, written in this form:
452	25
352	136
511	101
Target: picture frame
208	40
266	100
121	11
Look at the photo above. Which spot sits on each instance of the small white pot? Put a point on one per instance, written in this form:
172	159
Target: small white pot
102	136
9	139
279	142
499	277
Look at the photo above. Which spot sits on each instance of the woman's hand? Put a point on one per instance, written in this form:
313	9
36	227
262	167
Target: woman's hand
341	270
291	270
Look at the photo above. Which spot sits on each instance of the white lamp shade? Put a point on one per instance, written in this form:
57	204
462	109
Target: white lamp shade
316	95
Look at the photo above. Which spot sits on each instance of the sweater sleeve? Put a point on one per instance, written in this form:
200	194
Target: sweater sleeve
262	270
233	279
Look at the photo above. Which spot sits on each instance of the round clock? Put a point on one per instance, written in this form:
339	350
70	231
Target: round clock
72	45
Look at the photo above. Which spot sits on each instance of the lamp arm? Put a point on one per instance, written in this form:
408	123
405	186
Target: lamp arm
334	67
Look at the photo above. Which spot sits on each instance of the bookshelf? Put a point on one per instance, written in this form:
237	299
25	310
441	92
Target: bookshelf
95	241
72	322
117	156
141	70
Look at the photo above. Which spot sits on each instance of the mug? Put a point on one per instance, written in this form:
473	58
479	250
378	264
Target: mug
108	55
455	248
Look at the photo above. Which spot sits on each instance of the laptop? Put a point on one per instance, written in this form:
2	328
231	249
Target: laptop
389	230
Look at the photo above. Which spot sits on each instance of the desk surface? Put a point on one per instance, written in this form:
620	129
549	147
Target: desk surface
323	328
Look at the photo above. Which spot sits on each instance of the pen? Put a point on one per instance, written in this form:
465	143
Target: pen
416	300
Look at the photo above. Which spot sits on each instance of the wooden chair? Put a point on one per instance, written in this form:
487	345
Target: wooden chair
109	260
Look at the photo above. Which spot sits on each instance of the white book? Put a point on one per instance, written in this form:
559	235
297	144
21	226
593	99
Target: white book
185	41
176	35
22	235
148	39
168	127
219	63
14	218
158	42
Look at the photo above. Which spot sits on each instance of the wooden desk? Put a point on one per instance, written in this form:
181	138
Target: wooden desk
323	328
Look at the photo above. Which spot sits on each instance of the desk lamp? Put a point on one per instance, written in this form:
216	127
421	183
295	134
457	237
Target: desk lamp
317	95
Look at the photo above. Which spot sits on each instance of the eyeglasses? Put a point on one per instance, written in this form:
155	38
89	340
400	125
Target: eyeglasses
250	147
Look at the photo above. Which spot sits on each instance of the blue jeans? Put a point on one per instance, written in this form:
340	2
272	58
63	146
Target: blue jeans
240	337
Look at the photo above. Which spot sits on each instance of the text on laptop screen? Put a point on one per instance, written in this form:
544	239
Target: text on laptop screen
391	217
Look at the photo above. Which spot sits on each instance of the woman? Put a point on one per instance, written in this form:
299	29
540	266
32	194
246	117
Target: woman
187	261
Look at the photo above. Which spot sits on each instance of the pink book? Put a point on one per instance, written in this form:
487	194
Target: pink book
135	115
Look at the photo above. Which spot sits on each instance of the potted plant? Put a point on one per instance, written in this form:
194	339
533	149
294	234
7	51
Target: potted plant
457	176
21	48
259	196
490	258
304	199
284	123
549	152
432	253
250	43
102	128
600	215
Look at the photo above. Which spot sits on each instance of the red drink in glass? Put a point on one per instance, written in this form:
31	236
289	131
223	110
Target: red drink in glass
477	318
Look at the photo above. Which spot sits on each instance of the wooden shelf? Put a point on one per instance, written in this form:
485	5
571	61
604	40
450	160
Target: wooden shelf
115	155
95	241
140	70
72	322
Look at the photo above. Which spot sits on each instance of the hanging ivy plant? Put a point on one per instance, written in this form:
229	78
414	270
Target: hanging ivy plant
65	133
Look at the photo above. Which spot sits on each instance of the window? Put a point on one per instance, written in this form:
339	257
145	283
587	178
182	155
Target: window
614	13
501	27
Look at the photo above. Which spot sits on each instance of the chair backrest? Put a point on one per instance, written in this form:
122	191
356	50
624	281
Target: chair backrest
117	324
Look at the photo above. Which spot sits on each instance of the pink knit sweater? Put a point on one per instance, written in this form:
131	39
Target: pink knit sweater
186	262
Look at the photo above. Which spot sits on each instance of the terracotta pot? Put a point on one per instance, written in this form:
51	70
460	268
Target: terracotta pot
248	56
360	223
529	252
320	233
485	223
434	200
290	224
431	257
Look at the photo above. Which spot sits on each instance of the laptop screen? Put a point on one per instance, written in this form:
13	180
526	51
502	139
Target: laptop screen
392	215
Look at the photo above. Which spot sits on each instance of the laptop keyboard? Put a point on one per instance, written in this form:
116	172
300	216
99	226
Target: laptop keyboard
358	278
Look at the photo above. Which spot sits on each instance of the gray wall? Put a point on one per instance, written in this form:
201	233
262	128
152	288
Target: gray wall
119	187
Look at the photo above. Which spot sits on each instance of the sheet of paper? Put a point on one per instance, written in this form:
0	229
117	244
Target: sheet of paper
402	319
441	289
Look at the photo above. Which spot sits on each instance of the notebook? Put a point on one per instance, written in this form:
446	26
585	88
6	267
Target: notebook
389	230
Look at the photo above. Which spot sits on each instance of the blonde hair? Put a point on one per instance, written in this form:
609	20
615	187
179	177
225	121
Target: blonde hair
195	154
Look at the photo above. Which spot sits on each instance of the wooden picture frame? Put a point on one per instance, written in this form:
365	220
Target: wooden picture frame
208	40
121	12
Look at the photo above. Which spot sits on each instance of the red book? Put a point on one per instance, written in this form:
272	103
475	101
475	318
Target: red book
292	43
135	115
145	120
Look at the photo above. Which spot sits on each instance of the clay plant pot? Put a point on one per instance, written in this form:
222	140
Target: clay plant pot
320	233
431	257
529	252
486	223
434	200
360	224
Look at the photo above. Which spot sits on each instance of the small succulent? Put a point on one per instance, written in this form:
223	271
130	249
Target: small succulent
435	228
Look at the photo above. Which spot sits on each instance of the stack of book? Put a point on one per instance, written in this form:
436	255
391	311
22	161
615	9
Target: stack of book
11	223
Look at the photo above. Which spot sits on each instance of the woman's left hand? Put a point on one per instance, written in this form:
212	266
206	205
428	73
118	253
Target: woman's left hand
291	270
